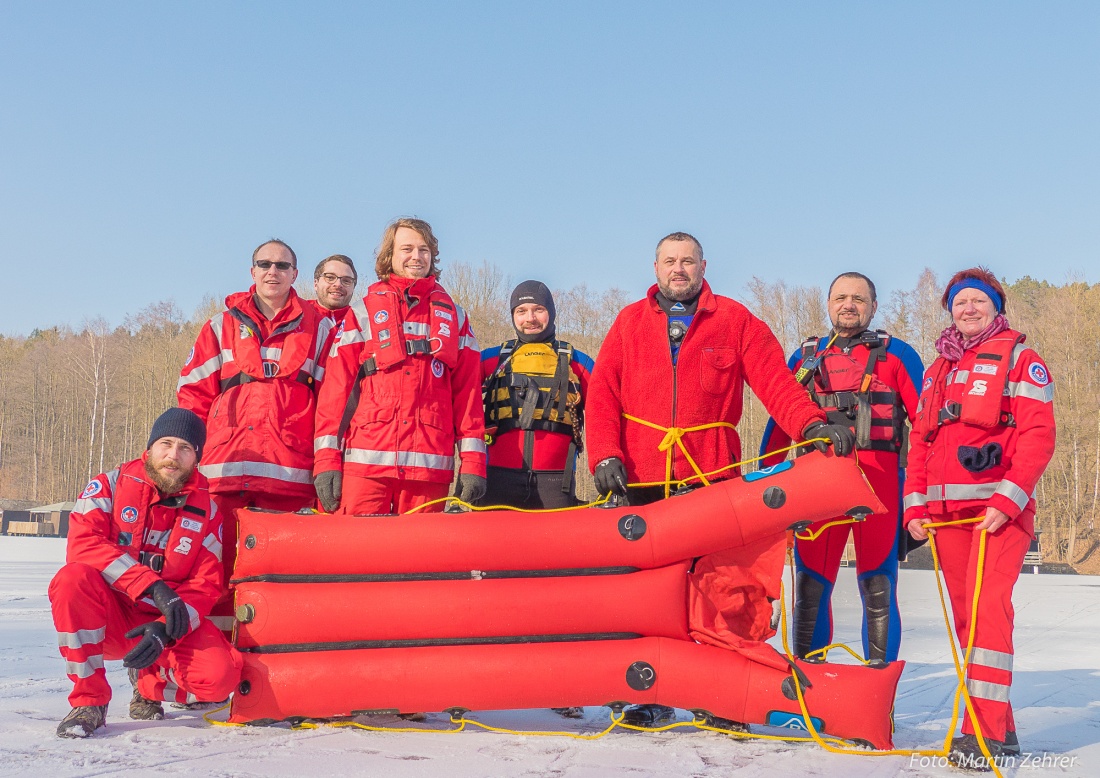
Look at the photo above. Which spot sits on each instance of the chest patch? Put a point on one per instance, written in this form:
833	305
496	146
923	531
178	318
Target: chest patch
191	524
985	369
437	368
129	514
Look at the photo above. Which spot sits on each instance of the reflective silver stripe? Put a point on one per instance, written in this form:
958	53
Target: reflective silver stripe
112	479
962	491
326	441
81	637
193	617
85	668
1044	394
1013	492
1017	352
461	312
470	342
227	355
213	545
362	317
313	369
158	537
472	444
914	499
986	690
224	623
362	456
205	370
271	352
118	567
171	688
987	657
86	504
347	338
215	323
257	470
961	376
417	328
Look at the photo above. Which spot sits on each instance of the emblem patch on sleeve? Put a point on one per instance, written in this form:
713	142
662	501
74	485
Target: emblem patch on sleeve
1038	374
91	490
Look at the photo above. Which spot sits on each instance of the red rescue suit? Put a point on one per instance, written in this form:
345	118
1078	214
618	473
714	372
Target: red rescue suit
725	347
984	435
869	382
403	388
124	536
254	381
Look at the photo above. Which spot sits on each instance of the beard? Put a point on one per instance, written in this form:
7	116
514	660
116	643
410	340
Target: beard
684	294
166	483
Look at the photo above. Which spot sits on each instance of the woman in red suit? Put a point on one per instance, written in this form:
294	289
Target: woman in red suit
984	434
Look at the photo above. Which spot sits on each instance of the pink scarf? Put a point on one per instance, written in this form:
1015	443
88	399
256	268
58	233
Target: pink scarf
952	345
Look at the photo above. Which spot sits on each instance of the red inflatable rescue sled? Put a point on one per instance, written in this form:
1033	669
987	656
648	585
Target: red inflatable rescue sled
503	610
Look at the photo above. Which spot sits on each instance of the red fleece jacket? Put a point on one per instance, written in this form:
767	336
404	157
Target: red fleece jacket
725	346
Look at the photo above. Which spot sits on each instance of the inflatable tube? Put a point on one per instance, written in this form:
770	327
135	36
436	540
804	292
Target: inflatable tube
724	515
272	614
848	701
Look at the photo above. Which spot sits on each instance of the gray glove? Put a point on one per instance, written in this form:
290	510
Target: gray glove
471	488
329	486
610	476
840	437
176	618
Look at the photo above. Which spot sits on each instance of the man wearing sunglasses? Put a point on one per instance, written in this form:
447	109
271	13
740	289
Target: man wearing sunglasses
253	378
334	282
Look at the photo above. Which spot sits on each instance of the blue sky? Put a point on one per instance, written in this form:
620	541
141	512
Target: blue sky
146	148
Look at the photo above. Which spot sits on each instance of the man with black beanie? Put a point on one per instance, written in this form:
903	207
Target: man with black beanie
144	569
534	388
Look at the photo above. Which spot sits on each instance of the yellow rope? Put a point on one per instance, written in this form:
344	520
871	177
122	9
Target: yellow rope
808	534
604	498
674	438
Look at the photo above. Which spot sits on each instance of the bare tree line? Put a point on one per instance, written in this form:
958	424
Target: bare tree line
76	402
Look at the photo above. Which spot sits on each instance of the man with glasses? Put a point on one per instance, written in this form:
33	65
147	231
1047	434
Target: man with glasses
253	377
334	282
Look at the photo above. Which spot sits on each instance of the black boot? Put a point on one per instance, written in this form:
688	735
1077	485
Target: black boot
142	709
649	716
710	720
82	721
808	593
1011	745
877	592
966	753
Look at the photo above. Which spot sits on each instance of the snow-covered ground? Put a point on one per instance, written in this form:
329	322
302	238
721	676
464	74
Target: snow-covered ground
1055	693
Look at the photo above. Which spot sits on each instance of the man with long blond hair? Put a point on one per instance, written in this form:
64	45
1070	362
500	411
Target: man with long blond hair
402	389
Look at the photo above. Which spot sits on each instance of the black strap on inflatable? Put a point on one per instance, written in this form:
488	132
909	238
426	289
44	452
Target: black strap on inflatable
353	645
464	575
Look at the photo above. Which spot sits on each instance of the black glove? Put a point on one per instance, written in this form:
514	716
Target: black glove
329	485
471	487
610	476
176	617
154	639
840	437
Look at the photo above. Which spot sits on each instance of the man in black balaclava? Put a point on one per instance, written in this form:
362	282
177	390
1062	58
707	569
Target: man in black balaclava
534	388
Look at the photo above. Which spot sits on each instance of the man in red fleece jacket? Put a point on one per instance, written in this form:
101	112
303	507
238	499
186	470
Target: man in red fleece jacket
679	360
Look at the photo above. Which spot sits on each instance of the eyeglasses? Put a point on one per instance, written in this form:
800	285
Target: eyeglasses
347	282
265	264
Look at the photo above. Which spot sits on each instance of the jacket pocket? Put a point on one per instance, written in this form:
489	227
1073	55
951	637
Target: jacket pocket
716	370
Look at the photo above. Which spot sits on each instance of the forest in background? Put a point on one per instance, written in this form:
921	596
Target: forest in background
74	403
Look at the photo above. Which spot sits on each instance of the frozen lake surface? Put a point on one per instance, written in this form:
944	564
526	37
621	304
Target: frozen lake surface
1055	694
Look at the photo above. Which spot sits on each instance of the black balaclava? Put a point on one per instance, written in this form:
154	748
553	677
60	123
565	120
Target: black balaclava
537	293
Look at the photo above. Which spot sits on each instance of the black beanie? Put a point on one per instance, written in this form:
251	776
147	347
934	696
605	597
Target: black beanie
537	293
179	423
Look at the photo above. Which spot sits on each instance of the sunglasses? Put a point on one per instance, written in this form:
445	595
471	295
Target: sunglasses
265	264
